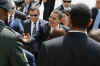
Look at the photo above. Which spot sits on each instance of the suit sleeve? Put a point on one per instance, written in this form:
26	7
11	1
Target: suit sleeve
43	56
26	27
17	56
45	31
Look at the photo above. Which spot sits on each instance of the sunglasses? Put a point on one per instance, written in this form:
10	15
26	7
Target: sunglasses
67	1
35	15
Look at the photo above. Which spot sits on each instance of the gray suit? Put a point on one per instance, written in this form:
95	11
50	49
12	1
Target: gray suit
11	53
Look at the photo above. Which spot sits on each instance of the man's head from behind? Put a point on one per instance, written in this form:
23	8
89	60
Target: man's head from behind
80	16
5	7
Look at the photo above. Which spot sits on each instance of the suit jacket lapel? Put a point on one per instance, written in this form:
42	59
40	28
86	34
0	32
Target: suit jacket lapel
29	27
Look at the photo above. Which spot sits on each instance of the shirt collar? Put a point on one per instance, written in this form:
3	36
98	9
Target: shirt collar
77	31
68	8
37	23
2	23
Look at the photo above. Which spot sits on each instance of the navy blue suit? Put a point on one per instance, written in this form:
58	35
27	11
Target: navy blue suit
17	25
42	29
41	34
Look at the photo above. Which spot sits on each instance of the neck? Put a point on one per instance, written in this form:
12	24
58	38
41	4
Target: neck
34	21
77	28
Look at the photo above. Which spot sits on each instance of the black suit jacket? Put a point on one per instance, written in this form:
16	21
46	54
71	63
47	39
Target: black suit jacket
75	49
43	30
94	14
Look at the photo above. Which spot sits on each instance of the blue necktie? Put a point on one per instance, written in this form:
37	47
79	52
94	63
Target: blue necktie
97	21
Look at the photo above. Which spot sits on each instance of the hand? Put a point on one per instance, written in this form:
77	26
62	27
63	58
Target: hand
26	38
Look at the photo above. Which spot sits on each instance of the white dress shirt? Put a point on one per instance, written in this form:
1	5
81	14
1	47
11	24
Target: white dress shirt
34	26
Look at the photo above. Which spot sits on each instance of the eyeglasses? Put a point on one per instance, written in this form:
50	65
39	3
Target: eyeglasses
67	1
35	15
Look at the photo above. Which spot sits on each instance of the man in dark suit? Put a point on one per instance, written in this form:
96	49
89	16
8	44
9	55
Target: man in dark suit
48	8
75	48
95	13
11	50
35	30
66	5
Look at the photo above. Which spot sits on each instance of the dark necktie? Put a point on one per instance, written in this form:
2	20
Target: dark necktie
34	33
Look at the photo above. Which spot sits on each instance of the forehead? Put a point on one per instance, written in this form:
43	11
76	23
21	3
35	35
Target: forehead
33	11
98	0
26	0
66	0
54	14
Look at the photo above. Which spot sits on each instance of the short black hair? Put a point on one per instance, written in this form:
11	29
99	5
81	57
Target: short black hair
80	15
59	13
33	9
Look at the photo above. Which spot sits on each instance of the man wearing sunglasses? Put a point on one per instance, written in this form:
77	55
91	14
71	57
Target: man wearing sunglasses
35	30
66	5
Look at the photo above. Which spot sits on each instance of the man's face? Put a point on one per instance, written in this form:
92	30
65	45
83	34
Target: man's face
54	19
66	4
34	15
4	15
64	19
98	4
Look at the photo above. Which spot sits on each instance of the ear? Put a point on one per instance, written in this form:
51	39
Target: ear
90	22
38	14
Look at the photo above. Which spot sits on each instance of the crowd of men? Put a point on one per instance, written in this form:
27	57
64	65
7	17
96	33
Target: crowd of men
66	36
